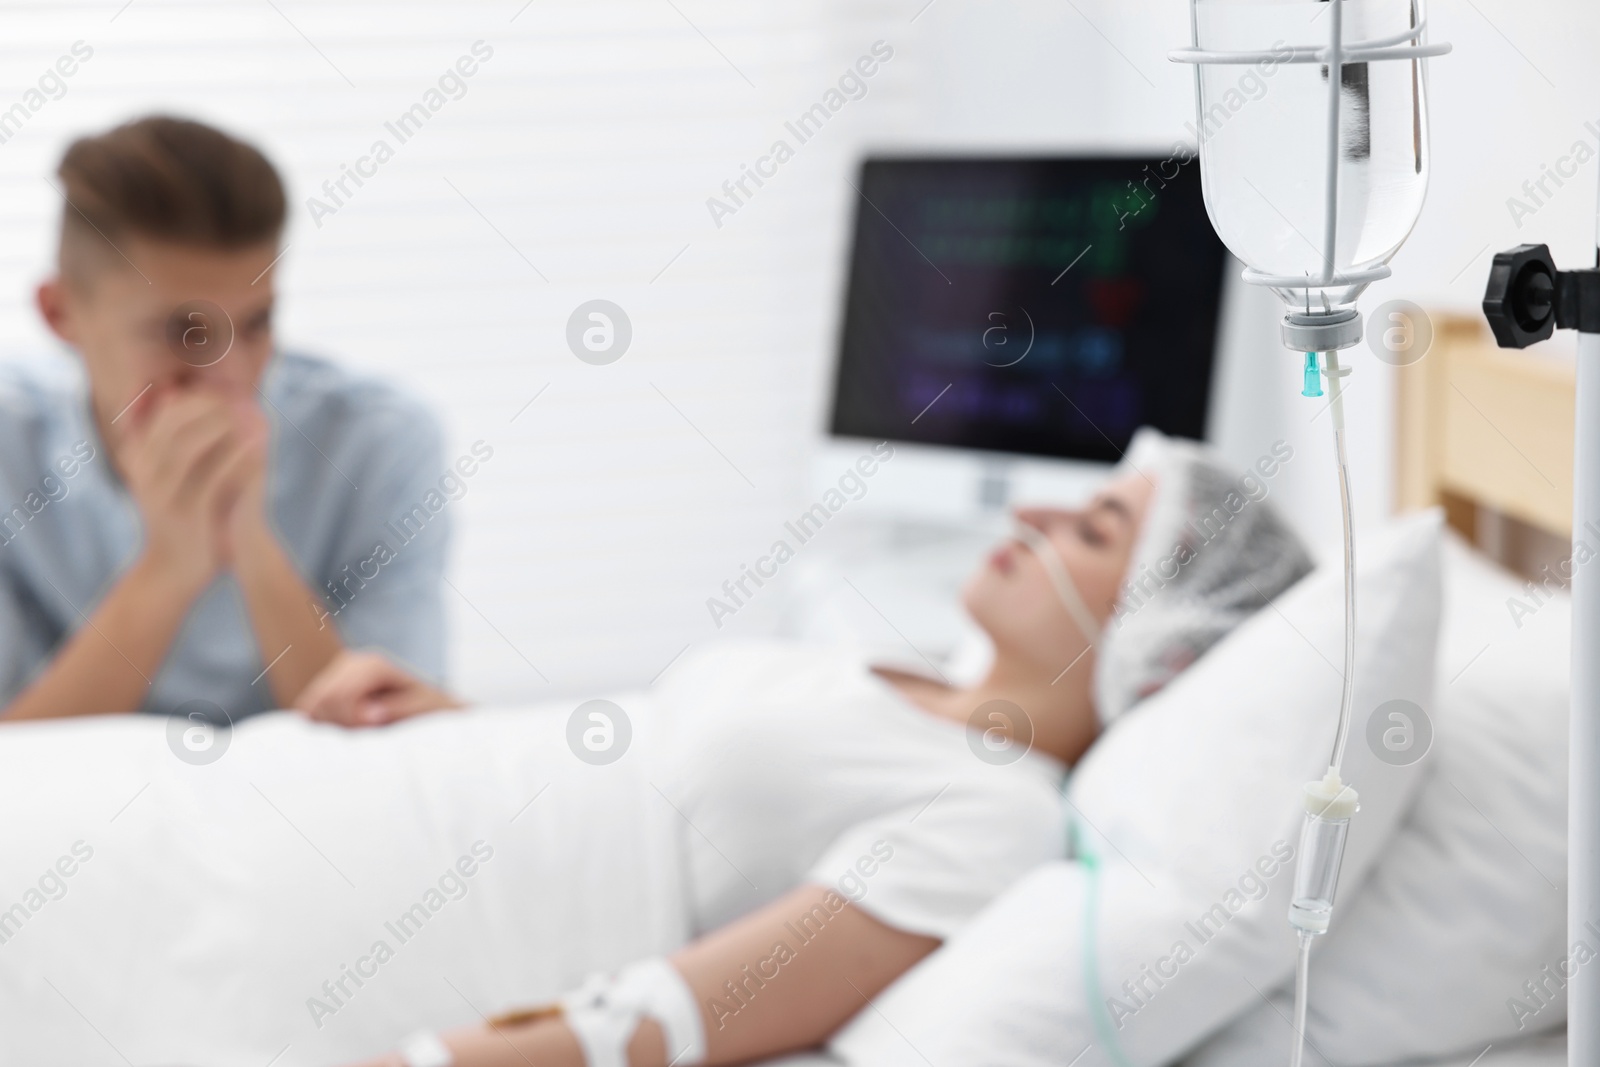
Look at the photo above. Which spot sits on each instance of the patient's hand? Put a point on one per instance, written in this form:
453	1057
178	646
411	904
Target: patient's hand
366	689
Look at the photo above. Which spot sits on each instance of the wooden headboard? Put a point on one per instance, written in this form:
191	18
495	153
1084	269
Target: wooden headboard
1487	433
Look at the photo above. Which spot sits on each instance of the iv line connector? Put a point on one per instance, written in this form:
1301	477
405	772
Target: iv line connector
1327	331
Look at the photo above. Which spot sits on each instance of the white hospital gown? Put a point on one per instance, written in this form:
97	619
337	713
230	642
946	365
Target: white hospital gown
800	765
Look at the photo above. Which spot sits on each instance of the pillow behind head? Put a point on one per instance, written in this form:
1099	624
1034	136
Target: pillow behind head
1193	807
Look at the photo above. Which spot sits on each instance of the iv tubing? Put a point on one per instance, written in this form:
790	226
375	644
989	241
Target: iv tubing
1302	974
1336	375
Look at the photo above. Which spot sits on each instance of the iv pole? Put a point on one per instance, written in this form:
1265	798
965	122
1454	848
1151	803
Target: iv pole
1527	299
1583	769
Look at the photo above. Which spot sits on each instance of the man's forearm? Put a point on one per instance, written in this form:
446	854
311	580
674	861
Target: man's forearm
295	644
109	664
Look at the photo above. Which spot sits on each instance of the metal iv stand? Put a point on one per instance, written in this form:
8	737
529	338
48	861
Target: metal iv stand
1526	301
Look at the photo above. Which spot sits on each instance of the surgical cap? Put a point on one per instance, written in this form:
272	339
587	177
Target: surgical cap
1212	551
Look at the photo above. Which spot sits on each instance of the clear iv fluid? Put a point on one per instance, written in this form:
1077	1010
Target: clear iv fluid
1266	179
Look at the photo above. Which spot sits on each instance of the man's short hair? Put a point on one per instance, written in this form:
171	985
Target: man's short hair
165	179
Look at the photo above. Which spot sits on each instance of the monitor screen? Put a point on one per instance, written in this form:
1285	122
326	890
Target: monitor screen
1042	306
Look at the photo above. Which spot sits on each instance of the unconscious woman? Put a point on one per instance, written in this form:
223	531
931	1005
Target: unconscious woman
878	809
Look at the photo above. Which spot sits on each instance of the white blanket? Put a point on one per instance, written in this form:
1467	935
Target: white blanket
206	906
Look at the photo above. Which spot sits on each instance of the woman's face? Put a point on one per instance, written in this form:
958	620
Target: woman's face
1012	598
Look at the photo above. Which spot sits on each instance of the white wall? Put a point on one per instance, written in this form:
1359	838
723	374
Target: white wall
625	495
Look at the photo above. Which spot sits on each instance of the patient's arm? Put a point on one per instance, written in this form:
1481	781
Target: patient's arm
850	958
367	689
826	980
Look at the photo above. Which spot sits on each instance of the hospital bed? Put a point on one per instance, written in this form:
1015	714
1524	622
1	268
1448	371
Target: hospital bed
187	949
1487	433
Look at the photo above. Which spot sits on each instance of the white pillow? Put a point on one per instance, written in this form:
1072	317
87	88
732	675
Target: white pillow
1183	798
1465	904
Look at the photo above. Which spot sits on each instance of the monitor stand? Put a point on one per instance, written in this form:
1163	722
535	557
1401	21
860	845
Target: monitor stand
995	485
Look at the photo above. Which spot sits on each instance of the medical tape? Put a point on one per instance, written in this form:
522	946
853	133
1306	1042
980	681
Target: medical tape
605	1011
424	1049
602	1014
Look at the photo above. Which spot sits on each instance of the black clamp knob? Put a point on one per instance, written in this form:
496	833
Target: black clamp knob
1528	298
1520	302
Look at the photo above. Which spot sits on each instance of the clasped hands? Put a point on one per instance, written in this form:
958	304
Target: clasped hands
194	459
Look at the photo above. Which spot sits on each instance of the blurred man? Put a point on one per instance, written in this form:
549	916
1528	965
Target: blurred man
197	523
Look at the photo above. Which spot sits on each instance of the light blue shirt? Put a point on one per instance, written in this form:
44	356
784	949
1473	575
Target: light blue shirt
353	484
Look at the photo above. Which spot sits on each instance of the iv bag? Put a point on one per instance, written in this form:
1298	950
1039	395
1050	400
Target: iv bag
1275	137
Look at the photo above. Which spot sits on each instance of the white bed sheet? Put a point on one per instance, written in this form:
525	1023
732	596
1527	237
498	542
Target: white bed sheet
1545	1050
219	898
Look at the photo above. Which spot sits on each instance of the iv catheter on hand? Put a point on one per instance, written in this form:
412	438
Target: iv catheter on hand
1315	183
